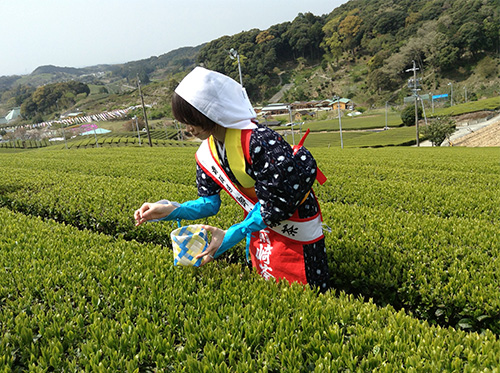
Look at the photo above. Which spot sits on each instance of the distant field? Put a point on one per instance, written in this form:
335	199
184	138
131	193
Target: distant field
365	130
492	103
365	121
373	138
369	120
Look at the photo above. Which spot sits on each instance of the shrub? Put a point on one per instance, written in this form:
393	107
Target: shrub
438	130
408	115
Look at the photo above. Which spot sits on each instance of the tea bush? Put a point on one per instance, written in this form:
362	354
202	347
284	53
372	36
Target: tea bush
414	228
74	300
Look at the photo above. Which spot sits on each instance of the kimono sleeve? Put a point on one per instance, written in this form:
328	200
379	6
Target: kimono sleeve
206	185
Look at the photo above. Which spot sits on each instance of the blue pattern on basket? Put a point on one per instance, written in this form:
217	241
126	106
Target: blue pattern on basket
184	249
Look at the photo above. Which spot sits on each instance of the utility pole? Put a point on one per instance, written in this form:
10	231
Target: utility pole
144	111
64	135
386	127
179	130
234	54
415	95
138	132
95	136
340	121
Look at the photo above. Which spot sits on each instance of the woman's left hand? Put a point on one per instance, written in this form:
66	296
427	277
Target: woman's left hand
217	237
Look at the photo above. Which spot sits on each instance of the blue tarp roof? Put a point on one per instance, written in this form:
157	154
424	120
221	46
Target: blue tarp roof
97	131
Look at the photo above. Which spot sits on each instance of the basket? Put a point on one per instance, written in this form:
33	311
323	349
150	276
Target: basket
187	242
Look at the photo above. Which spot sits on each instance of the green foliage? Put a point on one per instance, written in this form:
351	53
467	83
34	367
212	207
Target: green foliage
408	115
438	130
390	22
405	230
360	139
52	97
492	103
259	57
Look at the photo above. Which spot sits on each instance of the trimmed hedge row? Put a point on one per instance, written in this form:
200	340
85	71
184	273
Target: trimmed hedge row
76	300
406	229
443	182
115	141
443	270
174	165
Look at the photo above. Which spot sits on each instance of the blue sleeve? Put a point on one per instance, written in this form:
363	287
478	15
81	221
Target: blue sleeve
252	223
197	209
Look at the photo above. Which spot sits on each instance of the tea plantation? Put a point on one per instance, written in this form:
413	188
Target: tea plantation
413	241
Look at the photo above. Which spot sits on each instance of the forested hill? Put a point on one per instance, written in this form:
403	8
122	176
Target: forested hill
360	50
443	36
168	63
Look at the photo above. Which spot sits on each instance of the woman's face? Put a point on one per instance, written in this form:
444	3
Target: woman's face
198	131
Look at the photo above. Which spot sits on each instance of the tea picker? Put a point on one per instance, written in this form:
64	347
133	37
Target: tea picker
271	181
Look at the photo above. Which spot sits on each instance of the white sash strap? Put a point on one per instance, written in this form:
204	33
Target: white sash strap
206	160
304	231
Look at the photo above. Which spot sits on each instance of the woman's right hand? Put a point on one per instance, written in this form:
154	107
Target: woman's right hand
217	238
149	211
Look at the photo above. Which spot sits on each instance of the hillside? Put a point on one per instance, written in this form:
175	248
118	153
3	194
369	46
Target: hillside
156	68
360	50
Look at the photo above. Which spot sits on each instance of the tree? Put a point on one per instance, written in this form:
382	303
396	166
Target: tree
471	37
51	97
440	53
305	35
28	108
263	37
438	130
408	115
378	60
331	42
390	22
381	79
131	125
349	29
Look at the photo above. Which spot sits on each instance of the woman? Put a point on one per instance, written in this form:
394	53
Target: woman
268	178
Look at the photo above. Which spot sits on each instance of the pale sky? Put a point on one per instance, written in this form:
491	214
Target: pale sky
80	33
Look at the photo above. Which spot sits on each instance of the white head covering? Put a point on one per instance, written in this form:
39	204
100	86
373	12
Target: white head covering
218	97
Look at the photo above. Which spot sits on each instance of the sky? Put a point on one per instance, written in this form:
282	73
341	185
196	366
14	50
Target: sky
81	33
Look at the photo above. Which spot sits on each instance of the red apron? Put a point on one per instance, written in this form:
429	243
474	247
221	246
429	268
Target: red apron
275	252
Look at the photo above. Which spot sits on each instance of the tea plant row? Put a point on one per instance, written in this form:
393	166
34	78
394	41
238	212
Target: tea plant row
415	228
73	300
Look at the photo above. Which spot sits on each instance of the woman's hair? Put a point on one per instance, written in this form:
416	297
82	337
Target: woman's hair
186	113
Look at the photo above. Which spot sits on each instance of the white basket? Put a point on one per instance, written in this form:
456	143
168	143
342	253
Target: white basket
187	242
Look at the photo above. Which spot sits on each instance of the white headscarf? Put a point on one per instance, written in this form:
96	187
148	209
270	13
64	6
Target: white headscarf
218	97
